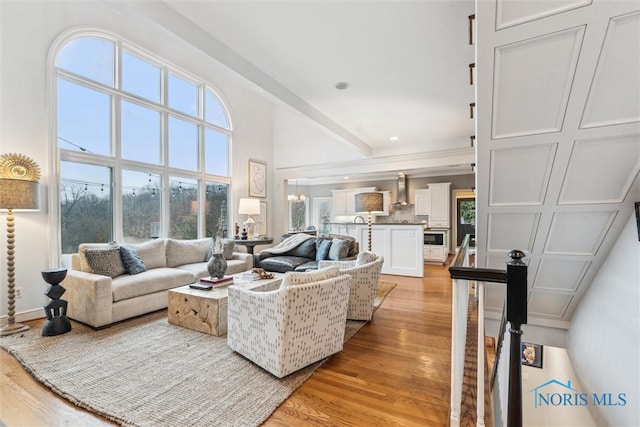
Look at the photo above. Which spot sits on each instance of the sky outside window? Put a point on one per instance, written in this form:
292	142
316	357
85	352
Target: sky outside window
183	96
90	57
183	144
141	131
140	77
84	119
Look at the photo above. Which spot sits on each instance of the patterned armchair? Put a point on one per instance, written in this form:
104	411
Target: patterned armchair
365	274
292	327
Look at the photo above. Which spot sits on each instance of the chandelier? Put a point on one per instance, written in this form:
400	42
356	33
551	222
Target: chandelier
296	198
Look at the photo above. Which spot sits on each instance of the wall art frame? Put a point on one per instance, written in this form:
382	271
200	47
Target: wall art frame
257	178
531	354
637	209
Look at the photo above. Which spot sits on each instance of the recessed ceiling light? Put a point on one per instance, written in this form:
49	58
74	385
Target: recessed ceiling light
346	177
342	85
394	138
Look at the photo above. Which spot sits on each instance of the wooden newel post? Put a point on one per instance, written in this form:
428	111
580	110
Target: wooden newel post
517	316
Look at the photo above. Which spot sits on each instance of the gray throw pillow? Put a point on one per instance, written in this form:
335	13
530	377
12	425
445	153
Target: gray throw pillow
339	249
132	262
322	249
106	262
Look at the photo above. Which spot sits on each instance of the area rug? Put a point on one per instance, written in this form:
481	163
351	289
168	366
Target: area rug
146	372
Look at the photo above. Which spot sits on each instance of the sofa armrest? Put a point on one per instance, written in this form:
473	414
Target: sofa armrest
89	298
246	257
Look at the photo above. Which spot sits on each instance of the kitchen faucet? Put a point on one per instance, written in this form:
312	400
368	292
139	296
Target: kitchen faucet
361	219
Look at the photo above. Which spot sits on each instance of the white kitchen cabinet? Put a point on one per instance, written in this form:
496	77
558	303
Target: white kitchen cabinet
435	254
399	244
343	201
440	195
422	202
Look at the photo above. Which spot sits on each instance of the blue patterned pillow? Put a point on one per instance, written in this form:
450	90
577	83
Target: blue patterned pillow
132	261
322	249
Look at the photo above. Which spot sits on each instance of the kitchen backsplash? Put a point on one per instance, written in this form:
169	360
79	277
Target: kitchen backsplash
399	214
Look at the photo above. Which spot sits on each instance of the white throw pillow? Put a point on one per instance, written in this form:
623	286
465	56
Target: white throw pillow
302	277
181	252
152	253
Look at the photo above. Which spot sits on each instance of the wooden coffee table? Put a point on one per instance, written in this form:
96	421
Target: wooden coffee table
206	311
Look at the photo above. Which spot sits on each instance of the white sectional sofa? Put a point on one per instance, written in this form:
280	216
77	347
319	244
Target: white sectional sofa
101	299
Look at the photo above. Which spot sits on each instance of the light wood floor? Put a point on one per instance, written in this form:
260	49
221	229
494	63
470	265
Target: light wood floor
394	371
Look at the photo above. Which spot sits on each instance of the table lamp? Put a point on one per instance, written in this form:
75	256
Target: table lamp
369	203
250	207
19	190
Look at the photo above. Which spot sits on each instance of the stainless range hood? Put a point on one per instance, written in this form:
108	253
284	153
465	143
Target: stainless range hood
401	200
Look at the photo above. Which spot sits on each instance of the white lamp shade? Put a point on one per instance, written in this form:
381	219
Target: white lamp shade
249	207
19	194
369	202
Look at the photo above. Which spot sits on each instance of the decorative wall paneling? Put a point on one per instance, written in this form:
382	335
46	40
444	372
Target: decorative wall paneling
558	117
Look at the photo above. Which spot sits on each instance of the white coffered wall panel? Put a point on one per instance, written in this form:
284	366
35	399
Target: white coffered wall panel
558	142
577	233
616	77
560	274
601	170
532	83
548	304
510	13
523	230
506	163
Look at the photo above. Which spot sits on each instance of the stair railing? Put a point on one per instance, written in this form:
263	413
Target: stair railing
515	277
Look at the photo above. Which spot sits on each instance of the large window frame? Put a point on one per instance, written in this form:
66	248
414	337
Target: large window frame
117	163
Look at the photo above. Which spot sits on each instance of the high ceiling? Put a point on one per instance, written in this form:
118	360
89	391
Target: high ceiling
407	64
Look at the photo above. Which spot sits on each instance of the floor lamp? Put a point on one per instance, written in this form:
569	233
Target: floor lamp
19	190
369	203
250	207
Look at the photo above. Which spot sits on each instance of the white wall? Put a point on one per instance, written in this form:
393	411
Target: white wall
603	340
555	365
27	31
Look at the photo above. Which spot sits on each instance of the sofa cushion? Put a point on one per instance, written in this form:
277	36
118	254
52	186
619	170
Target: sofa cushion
282	263
151	281
181	252
339	249
227	248
199	269
322	249
151	252
306	249
300	278
311	265
132	261
105	261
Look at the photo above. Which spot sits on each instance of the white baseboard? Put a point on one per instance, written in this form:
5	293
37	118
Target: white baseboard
25	316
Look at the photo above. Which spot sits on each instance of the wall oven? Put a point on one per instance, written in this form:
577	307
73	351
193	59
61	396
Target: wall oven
434	238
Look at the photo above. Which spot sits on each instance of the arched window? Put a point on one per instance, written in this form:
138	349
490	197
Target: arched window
144	147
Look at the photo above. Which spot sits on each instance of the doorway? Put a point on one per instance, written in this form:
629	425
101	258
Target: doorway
465	218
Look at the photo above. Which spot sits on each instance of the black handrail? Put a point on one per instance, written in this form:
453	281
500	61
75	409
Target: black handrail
458	271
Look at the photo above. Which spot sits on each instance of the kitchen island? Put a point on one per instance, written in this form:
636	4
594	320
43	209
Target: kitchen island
399	243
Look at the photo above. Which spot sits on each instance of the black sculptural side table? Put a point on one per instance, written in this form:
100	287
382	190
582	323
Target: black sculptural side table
57	322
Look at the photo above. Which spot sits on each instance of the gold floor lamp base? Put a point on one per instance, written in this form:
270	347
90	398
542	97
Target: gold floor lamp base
11	327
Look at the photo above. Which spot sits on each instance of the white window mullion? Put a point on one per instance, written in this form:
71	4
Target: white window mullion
117	171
